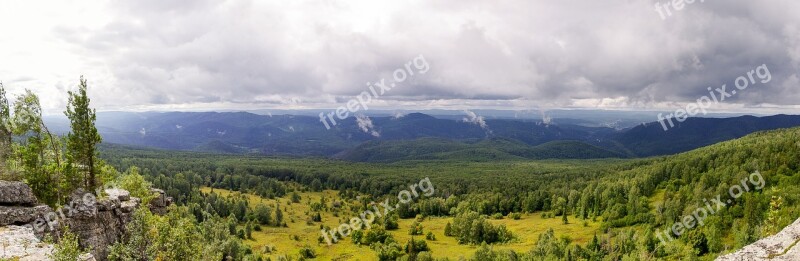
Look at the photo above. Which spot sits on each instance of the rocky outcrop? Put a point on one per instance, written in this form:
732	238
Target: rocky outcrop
20	215
103	223
21	243
98	223
782	246
18	204
160	203
16	193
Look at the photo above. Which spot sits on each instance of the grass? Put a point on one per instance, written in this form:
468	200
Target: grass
526	230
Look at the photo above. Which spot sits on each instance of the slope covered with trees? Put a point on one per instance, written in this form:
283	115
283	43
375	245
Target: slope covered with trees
635	199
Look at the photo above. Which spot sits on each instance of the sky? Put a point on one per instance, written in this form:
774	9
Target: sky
312	54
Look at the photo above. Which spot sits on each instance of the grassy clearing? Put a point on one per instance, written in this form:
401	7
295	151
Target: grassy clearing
287	241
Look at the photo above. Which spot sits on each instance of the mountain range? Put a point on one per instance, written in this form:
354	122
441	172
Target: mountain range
415	136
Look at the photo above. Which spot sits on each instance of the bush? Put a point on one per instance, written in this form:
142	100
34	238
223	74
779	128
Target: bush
430	236
390	223
516	216
472	228
377	235
416	229
307	252
357	236
67	248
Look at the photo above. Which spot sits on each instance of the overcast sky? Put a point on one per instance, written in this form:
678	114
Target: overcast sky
513	54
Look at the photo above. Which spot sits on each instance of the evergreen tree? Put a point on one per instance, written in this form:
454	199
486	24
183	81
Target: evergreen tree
83	139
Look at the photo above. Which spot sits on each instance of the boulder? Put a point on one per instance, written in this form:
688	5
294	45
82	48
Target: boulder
16	193
120	194
20	215
160	203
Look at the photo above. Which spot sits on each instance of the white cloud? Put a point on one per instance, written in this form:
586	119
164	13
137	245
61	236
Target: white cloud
169	54
365	124
475	119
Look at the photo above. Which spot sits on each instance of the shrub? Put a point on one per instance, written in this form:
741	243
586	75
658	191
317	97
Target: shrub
416	229
307	252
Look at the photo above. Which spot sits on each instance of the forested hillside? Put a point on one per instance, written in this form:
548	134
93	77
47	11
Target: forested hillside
296	135
634	199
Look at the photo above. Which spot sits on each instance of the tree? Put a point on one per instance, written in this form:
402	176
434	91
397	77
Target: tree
5	130
278	216
263	215
83	139
41	165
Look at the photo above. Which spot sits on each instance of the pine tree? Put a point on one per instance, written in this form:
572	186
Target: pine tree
82	141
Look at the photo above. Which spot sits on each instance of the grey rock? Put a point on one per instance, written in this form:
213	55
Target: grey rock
20	215
21	243
16	193
160	203
120	194
782	246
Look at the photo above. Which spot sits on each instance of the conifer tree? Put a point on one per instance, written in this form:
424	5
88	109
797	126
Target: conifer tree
83	139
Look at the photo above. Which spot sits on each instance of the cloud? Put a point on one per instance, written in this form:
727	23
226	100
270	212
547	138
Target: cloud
475	119
365	124
398	115
313	54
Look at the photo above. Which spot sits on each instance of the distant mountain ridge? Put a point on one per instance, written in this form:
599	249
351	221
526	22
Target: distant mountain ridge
414	136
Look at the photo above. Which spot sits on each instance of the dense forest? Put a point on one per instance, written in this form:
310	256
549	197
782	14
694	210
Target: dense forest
634	199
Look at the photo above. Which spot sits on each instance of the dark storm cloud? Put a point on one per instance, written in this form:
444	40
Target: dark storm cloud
554	52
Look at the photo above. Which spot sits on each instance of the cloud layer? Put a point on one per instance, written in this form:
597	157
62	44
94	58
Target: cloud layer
312	54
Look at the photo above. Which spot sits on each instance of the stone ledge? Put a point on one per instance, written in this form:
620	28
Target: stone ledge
18	215
782	246
16	193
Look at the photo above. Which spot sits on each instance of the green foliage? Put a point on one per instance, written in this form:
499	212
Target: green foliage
389	251
430	236
471	228
414	247
39	154
416	229
83	139
6	151
178	236
263	214
377	235
357	236
645	194
390	222
135	183
307	252
67	248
